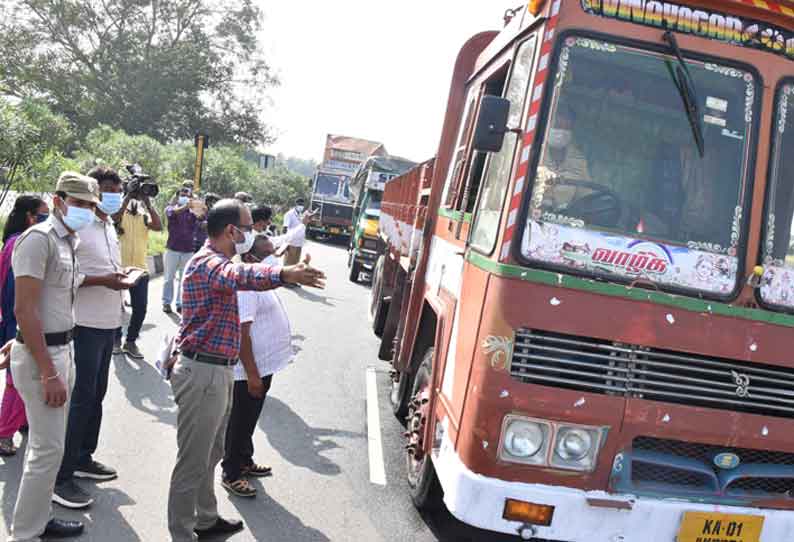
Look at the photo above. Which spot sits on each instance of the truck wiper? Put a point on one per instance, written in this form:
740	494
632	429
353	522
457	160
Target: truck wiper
686	87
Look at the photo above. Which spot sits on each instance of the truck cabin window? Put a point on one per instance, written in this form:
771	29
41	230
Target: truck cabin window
622	189
327	185
777	285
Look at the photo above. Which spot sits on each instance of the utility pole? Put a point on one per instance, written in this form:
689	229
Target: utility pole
201	142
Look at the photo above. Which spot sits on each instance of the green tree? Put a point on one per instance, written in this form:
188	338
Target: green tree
32	139
166	68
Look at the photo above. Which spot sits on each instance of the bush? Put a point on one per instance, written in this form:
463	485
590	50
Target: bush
156	243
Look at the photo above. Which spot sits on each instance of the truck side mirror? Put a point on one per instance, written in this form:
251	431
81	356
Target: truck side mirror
489	133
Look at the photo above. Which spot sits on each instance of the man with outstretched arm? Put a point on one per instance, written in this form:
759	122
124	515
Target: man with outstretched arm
203	377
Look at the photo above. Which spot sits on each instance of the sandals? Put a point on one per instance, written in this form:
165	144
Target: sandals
7	448
256	471
241	487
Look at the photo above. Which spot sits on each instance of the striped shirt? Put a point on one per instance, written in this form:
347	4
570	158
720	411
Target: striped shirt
210	318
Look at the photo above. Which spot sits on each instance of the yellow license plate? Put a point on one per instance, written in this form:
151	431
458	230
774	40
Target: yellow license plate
706	527
334	230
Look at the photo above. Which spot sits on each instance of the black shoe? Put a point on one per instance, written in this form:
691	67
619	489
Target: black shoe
96	471
132	350
222	526
167	309
179	309
61	528
70	495
24	429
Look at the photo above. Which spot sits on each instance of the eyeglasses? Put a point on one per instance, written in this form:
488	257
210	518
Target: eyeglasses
244	228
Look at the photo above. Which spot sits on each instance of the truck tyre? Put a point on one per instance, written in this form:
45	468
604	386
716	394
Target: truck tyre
423	483
355	270
379	308
400	396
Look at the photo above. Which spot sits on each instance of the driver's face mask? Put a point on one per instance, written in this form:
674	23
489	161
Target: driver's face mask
559	138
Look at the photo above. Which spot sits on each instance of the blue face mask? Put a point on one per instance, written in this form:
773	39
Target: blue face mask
77	218
42	217
111	203
183	200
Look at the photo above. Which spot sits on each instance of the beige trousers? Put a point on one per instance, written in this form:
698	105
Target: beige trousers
203	395
292	256
46	437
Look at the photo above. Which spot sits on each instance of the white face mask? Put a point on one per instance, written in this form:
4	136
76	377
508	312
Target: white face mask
245	245
559	138
271	260
299	208
183	200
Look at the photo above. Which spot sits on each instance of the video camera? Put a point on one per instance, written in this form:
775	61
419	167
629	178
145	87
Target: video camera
140	184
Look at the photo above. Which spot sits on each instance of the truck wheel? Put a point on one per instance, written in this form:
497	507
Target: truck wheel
425	488
400	396
379	308
355	270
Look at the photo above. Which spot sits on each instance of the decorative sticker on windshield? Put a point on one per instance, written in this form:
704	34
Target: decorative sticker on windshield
599	252
699	22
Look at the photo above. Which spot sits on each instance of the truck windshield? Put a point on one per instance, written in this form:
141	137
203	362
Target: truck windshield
327	185
373	203
777	286
622	190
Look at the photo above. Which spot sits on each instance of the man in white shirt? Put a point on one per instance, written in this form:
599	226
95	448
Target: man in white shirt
292	219
98	317
265	349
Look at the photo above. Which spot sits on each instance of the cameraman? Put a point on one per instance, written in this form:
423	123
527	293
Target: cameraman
135	219
182	226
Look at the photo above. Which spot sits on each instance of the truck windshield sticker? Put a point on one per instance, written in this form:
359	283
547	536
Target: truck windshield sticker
698	22
600	252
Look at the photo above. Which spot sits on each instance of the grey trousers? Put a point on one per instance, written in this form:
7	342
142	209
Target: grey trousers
203	395
46	436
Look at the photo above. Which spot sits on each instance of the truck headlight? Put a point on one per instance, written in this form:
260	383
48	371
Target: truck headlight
576	448
524	440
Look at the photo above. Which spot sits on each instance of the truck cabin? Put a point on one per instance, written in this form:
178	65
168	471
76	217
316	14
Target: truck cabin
611	179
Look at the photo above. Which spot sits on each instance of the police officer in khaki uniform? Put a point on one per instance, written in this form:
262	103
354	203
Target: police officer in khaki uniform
42	360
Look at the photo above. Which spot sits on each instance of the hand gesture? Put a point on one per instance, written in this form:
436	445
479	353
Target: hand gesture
308	216
53	390
5	355
303	274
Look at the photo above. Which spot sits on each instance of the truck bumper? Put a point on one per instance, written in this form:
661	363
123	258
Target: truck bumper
366	258
579	516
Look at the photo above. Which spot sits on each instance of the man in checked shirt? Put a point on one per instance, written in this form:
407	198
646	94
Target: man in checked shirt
203	377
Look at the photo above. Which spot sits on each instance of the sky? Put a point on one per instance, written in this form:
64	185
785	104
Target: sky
378	70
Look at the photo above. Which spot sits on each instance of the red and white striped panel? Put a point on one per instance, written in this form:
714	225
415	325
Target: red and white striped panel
532	122
769	6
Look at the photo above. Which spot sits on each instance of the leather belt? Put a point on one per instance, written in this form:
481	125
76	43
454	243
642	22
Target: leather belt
211	359
51	339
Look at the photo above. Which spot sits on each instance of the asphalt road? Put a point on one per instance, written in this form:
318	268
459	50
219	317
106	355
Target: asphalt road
313	432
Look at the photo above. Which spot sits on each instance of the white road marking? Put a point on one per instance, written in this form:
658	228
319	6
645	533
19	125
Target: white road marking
377	469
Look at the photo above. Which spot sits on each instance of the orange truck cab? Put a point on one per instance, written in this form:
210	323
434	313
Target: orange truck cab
587	294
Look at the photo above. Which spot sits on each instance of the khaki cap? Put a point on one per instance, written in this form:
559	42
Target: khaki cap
78	186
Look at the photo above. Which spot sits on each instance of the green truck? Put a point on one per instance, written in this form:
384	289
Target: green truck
367	187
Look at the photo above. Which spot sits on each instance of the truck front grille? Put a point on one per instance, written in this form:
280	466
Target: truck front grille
664	465
600	366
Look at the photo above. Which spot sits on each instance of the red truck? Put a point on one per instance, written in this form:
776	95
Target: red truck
588	295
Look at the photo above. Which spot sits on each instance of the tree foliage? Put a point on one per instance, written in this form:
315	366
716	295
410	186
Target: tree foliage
165	68
32	140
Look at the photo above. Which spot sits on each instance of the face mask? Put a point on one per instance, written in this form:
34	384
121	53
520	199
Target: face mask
271	260
559	138
77	218
245	246
299	208
183	200
42	217
111	203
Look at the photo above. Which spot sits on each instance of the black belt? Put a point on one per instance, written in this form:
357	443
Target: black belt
51	339
210	358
